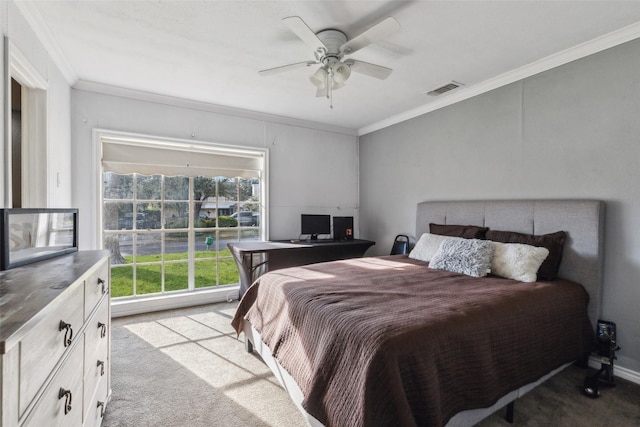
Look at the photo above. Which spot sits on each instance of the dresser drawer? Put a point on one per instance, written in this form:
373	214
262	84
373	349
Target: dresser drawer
42	347
96	366
64	394
95	402
96	285
97	331
96	353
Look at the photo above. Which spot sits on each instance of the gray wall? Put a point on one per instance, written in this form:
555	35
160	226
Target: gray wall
571	132
57	157
310	170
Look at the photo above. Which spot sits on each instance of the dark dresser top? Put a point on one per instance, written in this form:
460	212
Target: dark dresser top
26	292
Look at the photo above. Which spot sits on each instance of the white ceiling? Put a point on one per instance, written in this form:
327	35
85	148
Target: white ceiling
210	51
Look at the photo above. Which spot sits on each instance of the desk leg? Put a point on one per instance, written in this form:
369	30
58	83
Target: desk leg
250	267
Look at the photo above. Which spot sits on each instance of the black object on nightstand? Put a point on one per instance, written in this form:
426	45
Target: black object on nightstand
402	245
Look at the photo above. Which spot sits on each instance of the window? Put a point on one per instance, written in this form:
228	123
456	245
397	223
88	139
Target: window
169	231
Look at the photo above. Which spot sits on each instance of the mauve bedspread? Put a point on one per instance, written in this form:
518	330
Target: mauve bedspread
386	341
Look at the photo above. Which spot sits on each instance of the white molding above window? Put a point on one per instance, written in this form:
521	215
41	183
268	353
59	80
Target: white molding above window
149	156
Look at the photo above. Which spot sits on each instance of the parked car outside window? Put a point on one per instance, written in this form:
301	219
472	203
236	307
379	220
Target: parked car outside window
247	218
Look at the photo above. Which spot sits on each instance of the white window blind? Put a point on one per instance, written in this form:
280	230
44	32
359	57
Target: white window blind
149	157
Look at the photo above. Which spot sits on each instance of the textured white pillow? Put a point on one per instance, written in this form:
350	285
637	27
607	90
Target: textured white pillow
517	261
467	256
427	245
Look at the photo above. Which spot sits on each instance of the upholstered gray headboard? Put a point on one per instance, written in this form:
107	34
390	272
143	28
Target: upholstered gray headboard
583	220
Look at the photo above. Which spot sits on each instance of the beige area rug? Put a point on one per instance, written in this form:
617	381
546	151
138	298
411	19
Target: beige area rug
186	368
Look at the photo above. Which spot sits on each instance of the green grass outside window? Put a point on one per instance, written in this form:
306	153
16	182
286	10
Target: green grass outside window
149	277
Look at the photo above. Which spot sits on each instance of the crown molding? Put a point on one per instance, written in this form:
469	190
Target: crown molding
104	89
33	17
37	23
582	50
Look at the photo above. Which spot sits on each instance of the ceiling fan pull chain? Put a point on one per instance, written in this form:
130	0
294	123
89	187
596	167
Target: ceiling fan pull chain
326	84
330	88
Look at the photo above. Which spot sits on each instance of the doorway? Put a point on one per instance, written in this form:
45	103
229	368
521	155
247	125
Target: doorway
16	144
26	155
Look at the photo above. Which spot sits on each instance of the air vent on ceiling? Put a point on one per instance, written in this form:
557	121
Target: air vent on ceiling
446	88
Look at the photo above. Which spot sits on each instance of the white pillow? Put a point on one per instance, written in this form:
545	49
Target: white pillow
517	261
427	246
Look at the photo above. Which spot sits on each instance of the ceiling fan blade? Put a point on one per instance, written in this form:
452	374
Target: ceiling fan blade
377	32
283	68
372	70
302	30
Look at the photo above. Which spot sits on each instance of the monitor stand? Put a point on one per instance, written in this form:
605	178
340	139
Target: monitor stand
313	238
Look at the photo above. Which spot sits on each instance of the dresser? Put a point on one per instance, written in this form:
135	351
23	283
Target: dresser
55	334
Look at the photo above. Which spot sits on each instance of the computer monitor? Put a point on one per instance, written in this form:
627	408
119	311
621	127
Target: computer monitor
314	225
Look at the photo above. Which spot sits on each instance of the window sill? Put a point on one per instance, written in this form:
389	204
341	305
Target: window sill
146	304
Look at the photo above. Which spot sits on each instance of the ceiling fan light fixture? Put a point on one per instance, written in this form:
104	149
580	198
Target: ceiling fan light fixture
335	85
329	48
319	78
341	72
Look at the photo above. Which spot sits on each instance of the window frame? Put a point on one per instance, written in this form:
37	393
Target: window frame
100	134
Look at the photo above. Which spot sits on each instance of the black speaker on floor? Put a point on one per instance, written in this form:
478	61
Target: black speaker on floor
342	228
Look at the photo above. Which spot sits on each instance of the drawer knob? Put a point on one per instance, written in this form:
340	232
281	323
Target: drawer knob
103	329
68	332
101	364
67	399
101	406
102	282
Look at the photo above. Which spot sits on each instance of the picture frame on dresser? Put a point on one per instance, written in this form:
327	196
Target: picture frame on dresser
28	235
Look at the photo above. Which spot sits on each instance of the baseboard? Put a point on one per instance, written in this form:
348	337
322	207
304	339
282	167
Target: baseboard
619	371
146	304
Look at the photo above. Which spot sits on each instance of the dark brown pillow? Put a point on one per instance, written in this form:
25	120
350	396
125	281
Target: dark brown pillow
554	242
466	231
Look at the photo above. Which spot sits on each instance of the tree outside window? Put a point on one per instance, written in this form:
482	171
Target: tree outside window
170	233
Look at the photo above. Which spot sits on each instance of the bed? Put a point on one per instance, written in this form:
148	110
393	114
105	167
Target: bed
390	341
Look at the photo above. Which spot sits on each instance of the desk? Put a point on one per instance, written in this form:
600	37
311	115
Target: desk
256	258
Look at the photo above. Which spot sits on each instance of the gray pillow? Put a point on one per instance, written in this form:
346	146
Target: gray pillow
466	256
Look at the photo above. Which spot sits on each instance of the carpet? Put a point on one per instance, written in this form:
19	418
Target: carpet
186	368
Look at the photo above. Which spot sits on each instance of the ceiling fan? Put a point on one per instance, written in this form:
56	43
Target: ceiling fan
329	49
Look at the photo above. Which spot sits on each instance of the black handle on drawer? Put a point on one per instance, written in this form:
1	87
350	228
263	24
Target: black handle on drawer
101	364
103	329
102	282
67	399
68	332
101	406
